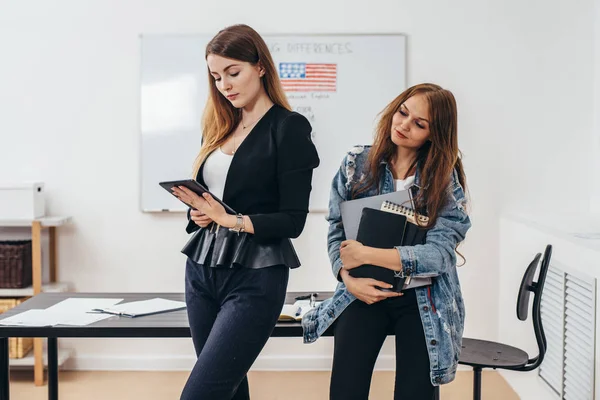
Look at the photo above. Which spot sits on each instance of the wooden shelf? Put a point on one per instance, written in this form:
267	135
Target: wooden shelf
44	221
54	287
37	225
29	360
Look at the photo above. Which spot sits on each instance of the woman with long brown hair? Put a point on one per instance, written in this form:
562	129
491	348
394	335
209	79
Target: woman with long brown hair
415	148
258	157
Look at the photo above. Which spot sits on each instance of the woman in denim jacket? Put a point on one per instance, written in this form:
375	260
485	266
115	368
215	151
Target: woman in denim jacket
416	146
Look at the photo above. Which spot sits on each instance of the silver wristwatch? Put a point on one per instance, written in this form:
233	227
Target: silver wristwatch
239	224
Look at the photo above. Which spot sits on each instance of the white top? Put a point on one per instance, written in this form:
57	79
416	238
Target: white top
404	184
215	172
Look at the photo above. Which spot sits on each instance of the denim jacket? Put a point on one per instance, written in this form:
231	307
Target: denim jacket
441	304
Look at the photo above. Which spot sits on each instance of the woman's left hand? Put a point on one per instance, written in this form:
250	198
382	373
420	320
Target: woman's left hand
205	203
352	253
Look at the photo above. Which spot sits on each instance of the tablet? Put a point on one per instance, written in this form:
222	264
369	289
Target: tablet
195	187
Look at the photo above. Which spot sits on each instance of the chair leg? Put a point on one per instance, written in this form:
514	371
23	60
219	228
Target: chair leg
436	393
476	383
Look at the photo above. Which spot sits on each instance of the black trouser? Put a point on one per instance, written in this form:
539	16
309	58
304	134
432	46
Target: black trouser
232	312
359	334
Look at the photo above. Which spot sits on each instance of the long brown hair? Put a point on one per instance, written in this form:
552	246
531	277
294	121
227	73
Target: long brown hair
436	159
242	43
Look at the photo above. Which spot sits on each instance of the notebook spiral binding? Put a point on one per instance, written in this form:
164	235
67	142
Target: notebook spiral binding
410	215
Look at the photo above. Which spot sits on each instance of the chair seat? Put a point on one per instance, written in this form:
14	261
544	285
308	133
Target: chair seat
482	353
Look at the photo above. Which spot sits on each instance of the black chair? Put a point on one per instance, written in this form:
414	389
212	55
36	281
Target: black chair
481	354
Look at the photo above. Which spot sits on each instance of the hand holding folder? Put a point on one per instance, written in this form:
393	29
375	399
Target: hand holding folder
381	230
393	225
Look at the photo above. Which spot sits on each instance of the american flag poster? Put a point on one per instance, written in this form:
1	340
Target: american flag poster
308	77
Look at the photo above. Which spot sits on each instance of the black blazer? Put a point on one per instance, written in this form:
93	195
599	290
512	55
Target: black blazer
270	175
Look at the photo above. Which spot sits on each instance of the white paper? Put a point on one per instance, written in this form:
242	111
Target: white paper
305	306
30	318
82	319
291	310
81	305
143	307
72	311
38	318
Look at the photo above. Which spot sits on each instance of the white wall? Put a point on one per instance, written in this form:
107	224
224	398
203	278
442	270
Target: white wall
595	199
69	117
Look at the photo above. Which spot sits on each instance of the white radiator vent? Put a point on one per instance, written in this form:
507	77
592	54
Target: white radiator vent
553	317
569	318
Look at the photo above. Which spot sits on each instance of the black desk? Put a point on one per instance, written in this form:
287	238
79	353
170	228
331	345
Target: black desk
166	325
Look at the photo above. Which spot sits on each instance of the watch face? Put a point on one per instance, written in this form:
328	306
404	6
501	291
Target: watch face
239	223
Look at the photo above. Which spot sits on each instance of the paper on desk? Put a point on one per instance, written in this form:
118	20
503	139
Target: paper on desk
144	307
30	318
37	318
305	306
71	311
82	319
81	305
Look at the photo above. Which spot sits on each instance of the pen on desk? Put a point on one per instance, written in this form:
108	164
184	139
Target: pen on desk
307	296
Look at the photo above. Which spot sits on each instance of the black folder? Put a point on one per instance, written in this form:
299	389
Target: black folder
413	234
383	230
386	229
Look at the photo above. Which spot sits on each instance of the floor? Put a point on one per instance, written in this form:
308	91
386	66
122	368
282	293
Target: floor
92	385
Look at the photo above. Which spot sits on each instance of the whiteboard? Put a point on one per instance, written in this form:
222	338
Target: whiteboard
368	72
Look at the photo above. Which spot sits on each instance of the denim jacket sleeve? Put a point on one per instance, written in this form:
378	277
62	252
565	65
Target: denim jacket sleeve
437	256
336	235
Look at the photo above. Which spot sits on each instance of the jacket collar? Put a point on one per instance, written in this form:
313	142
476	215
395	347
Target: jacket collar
417	181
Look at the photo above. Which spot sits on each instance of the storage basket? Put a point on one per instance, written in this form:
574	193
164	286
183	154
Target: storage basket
15	264
17	347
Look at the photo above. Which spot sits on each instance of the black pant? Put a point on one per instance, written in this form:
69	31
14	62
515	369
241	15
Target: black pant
358	336
232	312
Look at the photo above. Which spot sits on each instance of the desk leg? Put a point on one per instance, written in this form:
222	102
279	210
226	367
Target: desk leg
53	254
52	369
4	370
36	264
38	361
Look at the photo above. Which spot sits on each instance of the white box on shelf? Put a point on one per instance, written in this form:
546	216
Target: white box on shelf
22	200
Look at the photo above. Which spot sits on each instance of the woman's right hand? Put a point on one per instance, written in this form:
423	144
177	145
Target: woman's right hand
200	219
365	289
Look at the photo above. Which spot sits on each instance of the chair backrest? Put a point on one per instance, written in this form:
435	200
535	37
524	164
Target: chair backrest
528	286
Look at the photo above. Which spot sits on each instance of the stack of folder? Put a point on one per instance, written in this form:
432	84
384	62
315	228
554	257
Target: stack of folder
383	222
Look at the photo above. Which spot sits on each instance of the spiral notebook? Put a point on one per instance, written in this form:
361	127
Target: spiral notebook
351	210
414	232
